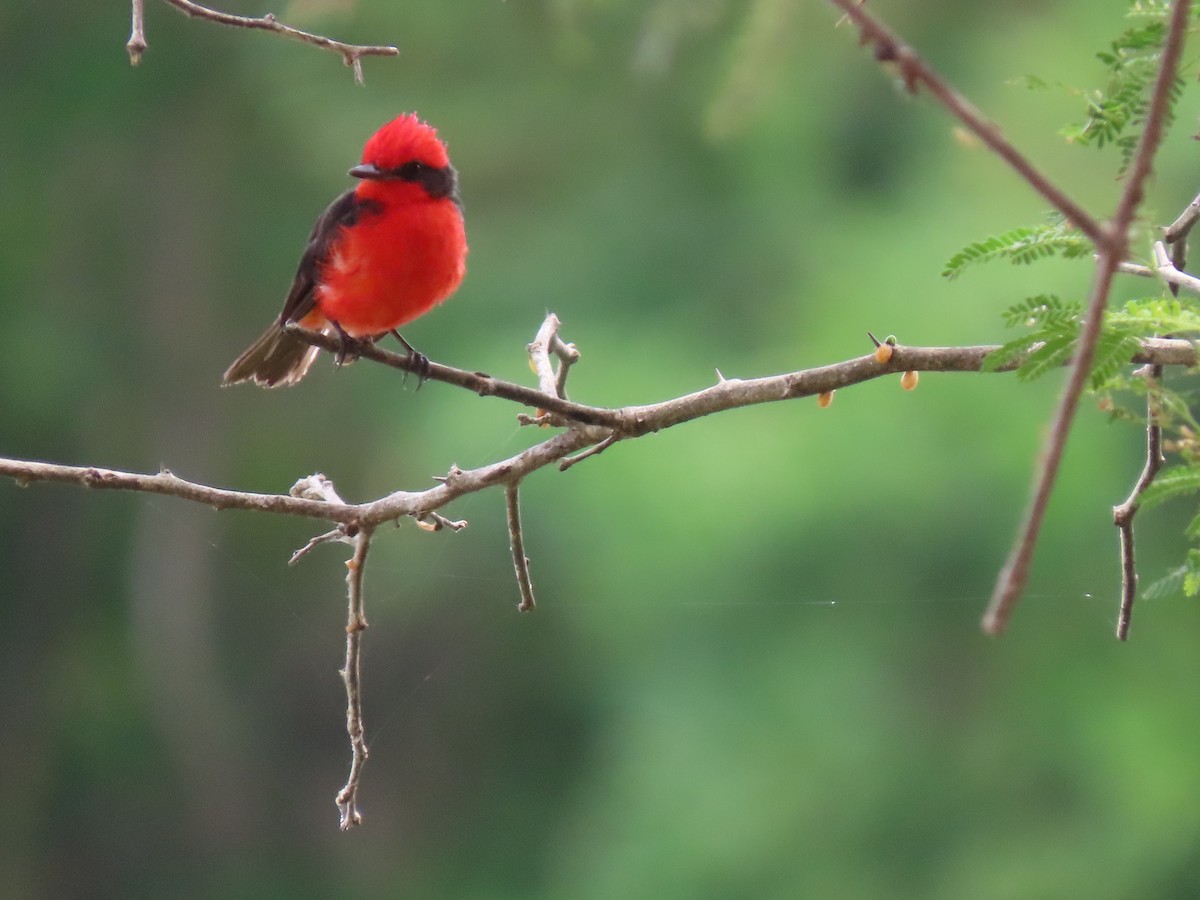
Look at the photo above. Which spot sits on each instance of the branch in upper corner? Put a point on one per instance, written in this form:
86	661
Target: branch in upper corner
347	797
351	54
1123	514
916	72
1013	577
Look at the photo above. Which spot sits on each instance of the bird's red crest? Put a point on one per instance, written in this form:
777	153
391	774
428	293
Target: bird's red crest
405	139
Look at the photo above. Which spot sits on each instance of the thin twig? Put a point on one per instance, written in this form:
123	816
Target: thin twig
1123	514
512	502
338	535
479	382
136	45
351	54
1130	268
1179	229
347	797
435	521
594	450
568	355
1015	574
915	71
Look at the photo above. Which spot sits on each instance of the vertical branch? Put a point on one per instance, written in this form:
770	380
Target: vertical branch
347	798
540	349
1123	514
568	355
1013	577
1112	249
517	543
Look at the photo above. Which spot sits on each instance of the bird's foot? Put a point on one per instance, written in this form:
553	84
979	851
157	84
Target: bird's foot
420	361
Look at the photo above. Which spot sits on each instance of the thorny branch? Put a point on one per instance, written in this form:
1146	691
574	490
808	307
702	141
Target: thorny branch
351	54
1112	250
623	423
1110	239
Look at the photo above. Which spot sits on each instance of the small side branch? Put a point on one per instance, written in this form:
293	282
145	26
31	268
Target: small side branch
347	797
517	543
1123	515
1178	230
351	54
1166	266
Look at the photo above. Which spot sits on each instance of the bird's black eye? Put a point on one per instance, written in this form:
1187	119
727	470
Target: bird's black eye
411	171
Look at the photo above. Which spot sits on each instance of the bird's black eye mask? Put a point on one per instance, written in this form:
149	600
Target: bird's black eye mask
438	182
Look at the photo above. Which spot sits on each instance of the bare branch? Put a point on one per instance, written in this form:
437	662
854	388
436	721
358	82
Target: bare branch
1123	514
351	54
1015	573
627	422
347	797
512	502
915	71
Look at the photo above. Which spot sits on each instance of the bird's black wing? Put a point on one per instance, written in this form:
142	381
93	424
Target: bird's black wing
341	213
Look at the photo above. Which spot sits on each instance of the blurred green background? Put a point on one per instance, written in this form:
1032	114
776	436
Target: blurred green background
756	668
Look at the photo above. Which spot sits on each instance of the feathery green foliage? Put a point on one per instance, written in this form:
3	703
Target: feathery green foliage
1021	246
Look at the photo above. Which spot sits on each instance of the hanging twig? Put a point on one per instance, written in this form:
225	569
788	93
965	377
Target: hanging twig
512	502
1123	515
347	797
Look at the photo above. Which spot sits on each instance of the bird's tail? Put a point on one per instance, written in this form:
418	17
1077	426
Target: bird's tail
277	358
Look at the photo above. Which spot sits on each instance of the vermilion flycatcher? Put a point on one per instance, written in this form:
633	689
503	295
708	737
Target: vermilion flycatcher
382	254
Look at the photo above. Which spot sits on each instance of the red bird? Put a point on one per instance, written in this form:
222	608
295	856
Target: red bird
382	254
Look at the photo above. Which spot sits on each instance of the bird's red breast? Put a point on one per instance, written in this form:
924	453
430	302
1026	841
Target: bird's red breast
395	263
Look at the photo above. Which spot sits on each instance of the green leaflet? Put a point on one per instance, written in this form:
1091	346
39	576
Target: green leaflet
1021	246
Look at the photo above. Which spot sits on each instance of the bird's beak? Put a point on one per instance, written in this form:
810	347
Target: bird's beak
367	170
